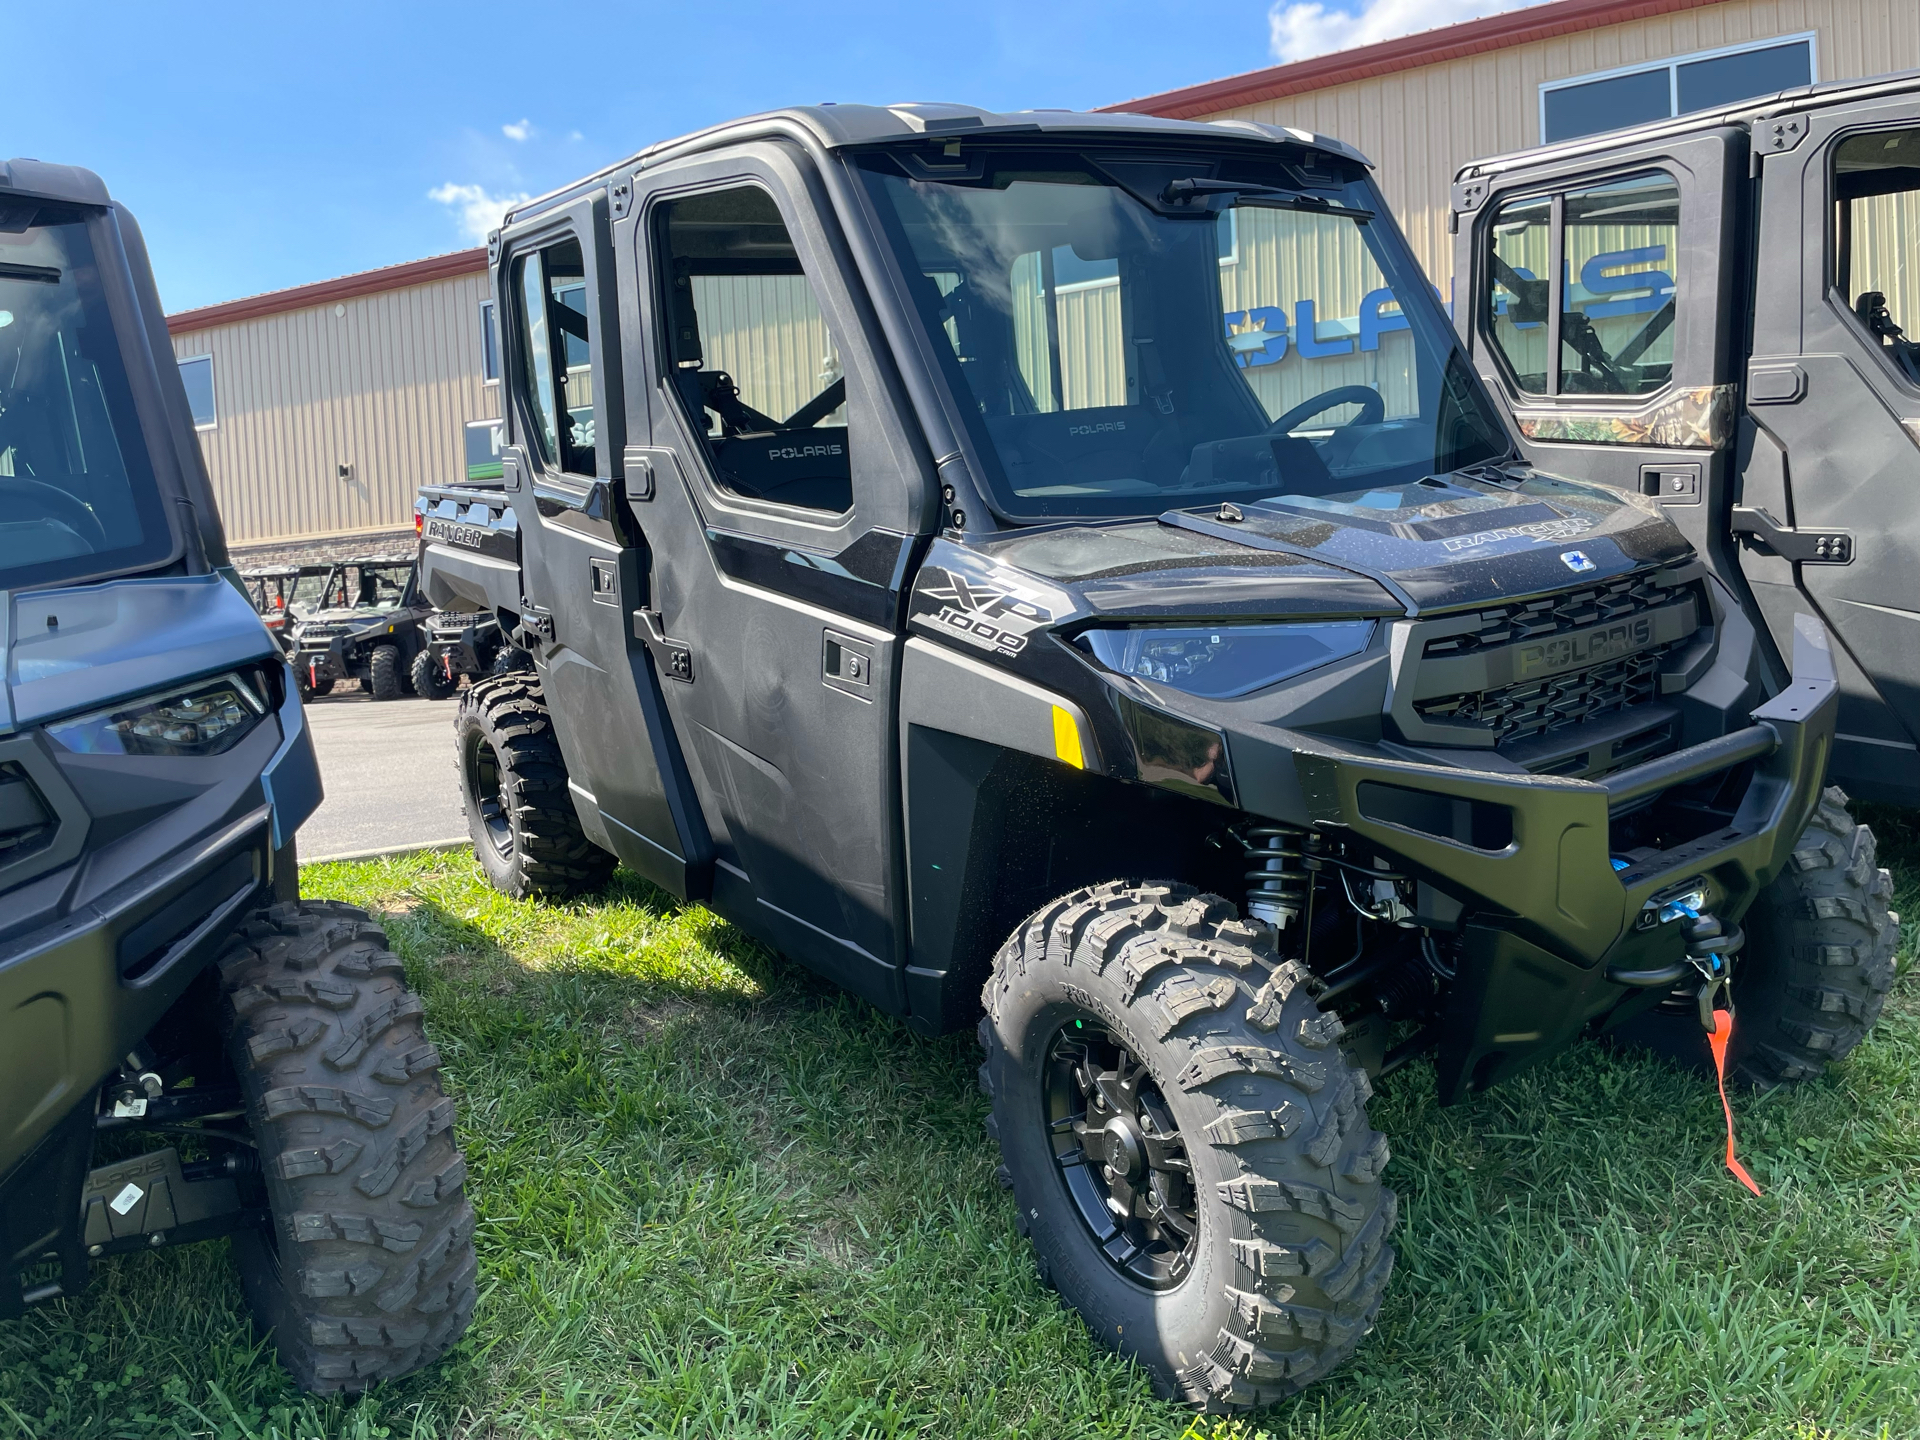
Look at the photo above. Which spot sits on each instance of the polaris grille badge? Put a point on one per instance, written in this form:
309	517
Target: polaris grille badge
1577	561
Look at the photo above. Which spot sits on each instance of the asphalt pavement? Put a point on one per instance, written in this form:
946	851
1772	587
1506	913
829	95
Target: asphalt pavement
387	769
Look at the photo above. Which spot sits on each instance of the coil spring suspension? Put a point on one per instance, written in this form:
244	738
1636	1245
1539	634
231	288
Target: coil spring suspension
1277	877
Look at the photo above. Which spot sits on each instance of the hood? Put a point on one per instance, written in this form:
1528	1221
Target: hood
1432	545
71	649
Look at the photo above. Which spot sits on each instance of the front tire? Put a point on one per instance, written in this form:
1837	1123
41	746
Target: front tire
513	783
383	673
369	1270
430	679
1814	973
1187	1042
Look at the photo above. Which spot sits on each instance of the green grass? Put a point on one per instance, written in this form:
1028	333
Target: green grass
718	1198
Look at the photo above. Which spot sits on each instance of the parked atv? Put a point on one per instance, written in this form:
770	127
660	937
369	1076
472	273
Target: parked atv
1068	561
455	645
366	628
256	1060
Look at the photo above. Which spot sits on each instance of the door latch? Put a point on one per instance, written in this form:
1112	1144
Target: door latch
674	658
1809	547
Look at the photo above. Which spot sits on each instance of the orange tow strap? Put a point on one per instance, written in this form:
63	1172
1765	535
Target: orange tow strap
1722	1033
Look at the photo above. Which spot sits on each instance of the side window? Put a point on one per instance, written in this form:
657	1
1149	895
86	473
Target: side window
1517	295
753	360
1619	288
1876	218
556	369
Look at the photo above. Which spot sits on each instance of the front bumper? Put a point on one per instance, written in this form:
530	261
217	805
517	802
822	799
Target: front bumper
1550	916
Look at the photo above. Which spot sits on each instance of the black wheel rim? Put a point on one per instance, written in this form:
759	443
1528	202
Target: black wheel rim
1120	1155
484	791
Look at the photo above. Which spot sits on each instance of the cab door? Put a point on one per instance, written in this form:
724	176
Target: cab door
1619	372
787	503
583	565
1833	390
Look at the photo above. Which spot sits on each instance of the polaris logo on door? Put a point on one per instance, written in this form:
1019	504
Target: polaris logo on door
1099	429
806	452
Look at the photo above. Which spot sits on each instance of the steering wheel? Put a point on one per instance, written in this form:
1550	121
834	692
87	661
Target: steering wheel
56	504
1373	408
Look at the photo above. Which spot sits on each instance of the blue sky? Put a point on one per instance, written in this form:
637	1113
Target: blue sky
267	145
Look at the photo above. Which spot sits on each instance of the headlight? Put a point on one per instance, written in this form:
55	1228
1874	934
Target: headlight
1219	661
206	719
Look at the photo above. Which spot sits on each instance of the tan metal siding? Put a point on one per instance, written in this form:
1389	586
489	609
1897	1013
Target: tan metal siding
1420	126
387	387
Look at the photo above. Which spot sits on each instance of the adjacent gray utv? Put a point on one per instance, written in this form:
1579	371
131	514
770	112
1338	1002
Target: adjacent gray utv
1070	561
187	1048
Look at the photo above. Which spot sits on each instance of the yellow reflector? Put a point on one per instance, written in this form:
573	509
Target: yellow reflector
1066	739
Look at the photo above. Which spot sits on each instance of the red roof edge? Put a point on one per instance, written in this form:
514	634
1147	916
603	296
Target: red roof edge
323	292
1408	52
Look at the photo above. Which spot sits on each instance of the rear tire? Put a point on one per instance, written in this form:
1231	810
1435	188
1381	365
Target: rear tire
1287	1260
513	783
1814	973
430	680
369	1270
383	673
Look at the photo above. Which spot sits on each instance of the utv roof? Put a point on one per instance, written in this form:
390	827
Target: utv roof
40	181
838	127
1746	113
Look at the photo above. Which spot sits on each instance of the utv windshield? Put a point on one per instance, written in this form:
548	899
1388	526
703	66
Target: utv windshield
77	497
1133	333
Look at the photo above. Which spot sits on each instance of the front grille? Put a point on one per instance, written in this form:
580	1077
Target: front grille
27	823
1527	709
1520	712
1552	614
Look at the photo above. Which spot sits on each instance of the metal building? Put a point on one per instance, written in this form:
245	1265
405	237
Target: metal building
320	409
1423	105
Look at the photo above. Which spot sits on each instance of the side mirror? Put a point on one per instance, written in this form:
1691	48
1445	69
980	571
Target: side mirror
1529	303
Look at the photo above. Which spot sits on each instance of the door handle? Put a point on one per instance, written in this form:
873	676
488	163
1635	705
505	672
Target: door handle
1809	547
674	658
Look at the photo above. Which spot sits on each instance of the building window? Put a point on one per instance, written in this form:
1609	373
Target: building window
1633	95
489	344
196	373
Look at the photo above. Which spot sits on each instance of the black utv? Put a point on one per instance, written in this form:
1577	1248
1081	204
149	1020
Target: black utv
1067	562
366	627
187	1049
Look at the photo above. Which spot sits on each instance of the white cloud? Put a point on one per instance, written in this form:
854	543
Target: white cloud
519	130
478	211
1303	28
575	135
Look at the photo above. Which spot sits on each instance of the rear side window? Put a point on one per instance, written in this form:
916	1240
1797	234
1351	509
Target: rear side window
1876	249
1617	294
753	362
77	496
555	380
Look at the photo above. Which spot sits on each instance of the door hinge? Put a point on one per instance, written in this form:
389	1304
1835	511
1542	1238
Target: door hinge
674	658
1809	547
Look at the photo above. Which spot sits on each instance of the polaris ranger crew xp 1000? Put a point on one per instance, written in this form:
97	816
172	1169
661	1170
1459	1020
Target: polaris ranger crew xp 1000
187	1049
1067	559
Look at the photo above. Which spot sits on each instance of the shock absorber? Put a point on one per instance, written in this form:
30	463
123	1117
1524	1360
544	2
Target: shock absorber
1276	877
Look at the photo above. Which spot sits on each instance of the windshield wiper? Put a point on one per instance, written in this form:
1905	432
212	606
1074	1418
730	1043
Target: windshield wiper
1201	189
